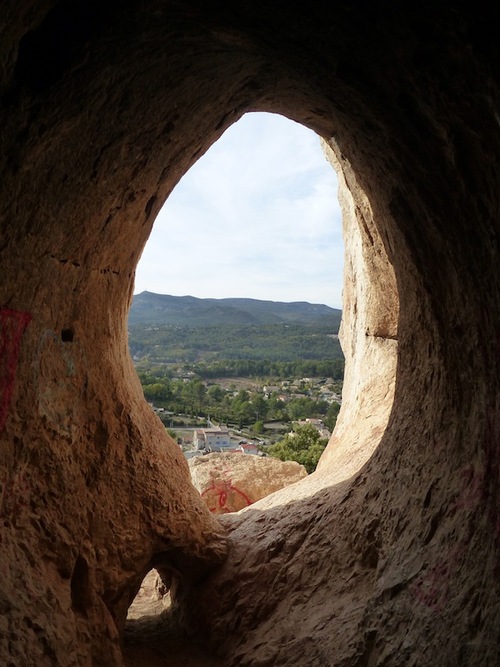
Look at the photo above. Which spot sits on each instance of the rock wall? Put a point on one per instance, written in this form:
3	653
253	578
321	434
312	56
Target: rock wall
103	107
368	331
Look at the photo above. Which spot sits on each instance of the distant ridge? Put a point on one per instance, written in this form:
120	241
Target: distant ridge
189	311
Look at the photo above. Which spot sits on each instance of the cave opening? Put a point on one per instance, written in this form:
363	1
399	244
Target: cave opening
371	327
257	217
264	201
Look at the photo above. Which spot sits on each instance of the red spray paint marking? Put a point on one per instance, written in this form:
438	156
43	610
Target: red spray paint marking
12	326
473	491
432	588
220	489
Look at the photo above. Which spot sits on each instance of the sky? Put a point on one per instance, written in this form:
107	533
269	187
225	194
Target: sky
257	217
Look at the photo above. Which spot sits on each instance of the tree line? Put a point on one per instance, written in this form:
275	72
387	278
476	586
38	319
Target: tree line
204	346
278	370
242	408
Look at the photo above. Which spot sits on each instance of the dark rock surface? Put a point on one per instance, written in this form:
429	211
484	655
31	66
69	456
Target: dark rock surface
104	106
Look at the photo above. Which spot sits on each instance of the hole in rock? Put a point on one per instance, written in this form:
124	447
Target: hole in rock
67	335
252	233
80	588
262	222
152	598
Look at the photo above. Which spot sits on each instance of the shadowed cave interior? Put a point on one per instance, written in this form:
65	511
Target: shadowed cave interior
388	554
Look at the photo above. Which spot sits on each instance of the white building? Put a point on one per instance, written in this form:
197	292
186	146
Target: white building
213	439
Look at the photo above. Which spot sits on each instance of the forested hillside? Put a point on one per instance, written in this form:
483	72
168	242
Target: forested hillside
163	309
238	361
286	348
209	345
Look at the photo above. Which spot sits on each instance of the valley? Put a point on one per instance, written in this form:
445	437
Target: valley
277	365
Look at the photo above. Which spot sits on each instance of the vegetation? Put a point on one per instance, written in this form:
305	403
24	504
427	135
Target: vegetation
304	445
241	408
234	350
254	365
160	309
260	338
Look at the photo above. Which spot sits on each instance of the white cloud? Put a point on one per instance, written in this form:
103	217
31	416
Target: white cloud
257	216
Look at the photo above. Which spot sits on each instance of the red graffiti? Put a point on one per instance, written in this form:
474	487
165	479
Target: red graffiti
222	497
432	588
473	489
12	326
429	591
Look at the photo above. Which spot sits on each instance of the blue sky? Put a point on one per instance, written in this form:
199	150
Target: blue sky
257	216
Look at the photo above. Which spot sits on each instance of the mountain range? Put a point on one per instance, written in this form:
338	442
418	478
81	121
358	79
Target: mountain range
163	309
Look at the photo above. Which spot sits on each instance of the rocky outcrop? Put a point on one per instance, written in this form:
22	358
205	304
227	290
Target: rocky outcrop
230	482
368	332
389	552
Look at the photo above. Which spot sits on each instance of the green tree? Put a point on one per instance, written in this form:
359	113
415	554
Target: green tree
304	445
259	405
331	416
158	391
258	427
215	393
193	394
301	408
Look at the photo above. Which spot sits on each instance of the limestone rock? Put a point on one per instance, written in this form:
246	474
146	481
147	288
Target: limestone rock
230	482
389	553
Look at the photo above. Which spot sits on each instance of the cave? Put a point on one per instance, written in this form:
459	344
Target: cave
390	553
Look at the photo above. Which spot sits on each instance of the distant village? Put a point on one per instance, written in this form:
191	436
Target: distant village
199	441
213	437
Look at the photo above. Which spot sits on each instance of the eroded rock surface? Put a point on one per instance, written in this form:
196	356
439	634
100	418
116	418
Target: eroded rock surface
230	482
104	106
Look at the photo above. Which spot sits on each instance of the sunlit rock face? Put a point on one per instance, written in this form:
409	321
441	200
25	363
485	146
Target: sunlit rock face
229	482
386	557
368	332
